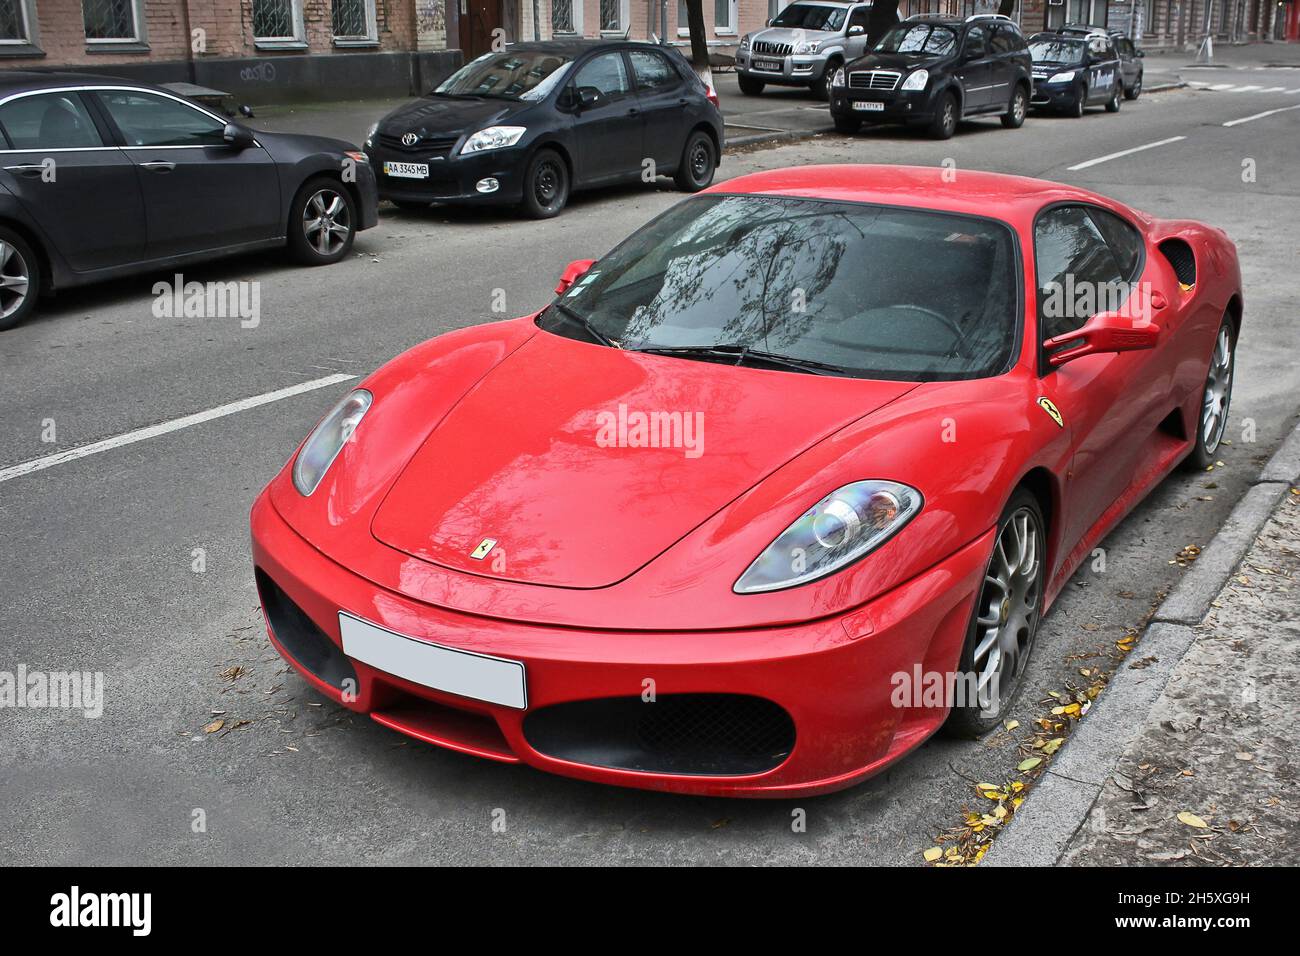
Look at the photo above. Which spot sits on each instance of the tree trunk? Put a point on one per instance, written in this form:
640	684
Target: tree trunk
1007	8
699	41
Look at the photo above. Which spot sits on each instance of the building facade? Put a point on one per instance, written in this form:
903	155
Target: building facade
267	50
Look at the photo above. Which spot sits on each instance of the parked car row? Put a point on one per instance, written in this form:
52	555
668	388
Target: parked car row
103	177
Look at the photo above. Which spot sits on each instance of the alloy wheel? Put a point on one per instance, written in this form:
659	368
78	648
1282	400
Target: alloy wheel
326	221
1218	392
15	279
1008	611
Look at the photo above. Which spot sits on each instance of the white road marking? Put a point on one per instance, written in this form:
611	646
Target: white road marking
1247	119
1245	89
1273	89
1125	152
164	428
1222	86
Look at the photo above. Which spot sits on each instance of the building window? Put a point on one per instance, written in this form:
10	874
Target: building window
111	21
566	16
724	17
615	16
277	22
13	22
354	21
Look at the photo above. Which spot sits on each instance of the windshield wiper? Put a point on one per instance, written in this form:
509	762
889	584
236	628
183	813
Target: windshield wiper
574	316
741	353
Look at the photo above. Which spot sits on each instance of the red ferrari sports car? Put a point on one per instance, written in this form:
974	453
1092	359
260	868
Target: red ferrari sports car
805	435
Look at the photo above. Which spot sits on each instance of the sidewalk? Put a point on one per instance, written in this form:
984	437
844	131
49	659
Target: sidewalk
1210	779
1192	751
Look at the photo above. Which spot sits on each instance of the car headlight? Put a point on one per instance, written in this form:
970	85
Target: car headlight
917	80
494	137
838	78
846	525
370	134
327	440
744	42
806	47
1065	77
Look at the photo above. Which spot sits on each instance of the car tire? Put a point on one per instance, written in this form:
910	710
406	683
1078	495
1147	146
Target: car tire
821	88
1116	97
699	161
546	185
1004	622
1134	91
322	222
847	124
750	86
1014	117
1218	389
1075	109
20	279
946	115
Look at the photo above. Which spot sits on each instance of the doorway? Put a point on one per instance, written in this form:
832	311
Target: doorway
478	20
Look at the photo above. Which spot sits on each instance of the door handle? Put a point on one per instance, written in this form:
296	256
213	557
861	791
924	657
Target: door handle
158	166
26	169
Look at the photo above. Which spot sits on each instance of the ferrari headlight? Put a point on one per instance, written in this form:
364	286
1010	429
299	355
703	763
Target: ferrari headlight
494	137
1065	77
841	528
327	440
917	80
838	78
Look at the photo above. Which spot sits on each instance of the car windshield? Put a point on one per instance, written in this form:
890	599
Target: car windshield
519	75
843	288
918	39
810	17
1056	50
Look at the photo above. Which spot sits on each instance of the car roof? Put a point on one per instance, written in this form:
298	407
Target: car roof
577	46
1014	199
21	81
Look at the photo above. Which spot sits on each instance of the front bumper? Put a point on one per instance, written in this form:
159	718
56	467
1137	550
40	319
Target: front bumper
368	190
899	106
1053	96
795	69
452	178
834	677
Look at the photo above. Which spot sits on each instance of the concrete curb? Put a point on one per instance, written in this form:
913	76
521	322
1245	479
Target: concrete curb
1164	87
776	136
1059	802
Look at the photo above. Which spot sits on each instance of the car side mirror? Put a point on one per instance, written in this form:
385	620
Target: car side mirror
245	111
237	137
574	271
588	96
1104	332
857	31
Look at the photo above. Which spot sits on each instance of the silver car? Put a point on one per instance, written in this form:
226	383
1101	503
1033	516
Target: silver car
803	45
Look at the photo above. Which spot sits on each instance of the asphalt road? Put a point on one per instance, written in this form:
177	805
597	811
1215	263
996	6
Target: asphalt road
98	552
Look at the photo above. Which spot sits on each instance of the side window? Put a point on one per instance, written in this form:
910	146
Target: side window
1075	269
605	73
1001	41
652	70
148	119
49	121
859	17
1124	241
977	43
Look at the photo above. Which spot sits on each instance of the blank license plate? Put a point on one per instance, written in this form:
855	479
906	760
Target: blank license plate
477	676
407	170
773	65
869	107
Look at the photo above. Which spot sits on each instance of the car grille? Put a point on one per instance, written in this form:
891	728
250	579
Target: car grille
874	79
768	48
425	146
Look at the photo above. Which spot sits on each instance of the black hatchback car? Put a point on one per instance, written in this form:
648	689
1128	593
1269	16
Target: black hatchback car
101	177
931	71
528	125
1075	69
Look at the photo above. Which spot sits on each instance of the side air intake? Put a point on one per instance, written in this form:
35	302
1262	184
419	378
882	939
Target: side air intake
1181	257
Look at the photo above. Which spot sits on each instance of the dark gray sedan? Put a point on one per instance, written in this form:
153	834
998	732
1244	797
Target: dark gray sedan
101	177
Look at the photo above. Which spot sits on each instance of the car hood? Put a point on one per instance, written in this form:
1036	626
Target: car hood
903	62
552	455
284	147
432	115
791	35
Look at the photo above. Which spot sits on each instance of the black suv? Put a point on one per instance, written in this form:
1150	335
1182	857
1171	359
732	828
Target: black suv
1074	68
932	71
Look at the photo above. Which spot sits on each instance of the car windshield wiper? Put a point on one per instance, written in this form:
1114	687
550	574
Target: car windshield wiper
742	353
577	317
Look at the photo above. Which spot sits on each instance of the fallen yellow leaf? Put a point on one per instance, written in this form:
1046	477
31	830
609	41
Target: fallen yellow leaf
213	727
1028	764
932	854
1192	820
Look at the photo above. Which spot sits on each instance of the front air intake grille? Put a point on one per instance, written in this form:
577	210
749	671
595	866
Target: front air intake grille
768	48
874	80
301	638
429	146
1181	257
693	734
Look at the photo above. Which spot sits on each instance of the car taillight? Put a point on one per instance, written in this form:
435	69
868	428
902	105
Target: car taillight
712	97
